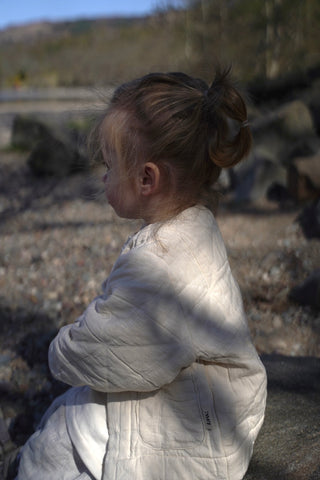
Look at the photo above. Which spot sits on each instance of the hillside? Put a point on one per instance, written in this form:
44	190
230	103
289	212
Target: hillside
261	38
87	52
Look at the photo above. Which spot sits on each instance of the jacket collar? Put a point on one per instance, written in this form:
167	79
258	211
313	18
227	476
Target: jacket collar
147	233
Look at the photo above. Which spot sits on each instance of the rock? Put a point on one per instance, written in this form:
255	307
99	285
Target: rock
309	220
285	133
312	97
304	177
295	120
308	293
306	146
51	157
4	434
254	178
277	322
283	87
279	135
288	446
33	348
279	193
22	427
11	464
291	120
268	142
27	132
315	111
53	151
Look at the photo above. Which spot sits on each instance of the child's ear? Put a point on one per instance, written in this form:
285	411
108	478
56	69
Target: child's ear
149	179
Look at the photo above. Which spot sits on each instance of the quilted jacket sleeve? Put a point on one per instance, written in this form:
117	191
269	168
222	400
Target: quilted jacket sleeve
133	338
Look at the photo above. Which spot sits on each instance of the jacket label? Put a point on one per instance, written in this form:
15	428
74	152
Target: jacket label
207	419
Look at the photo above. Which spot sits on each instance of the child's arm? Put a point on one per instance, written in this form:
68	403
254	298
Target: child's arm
134	338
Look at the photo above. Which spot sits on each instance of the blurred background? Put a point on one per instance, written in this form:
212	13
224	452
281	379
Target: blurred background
100	43
59	62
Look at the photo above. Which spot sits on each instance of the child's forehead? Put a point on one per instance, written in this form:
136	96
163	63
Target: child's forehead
114	126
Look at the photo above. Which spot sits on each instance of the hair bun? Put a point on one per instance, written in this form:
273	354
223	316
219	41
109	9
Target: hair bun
227	114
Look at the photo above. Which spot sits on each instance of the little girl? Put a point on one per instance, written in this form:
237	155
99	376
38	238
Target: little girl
167	384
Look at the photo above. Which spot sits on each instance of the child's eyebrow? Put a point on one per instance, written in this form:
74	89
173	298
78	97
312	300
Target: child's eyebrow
106	160
108	153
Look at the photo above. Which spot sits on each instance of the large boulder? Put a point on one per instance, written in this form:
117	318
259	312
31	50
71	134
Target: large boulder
308	292
53	151
315	110
286	87
254	178
52	157
292	120
309	220
279	137
288	446
304	177
27	132
295	120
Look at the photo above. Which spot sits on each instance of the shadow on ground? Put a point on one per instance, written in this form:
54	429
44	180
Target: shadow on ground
288	447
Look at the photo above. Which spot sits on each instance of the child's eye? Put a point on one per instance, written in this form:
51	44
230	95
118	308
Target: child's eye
106	162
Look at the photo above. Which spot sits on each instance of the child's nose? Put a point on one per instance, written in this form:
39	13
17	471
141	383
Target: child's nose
104	178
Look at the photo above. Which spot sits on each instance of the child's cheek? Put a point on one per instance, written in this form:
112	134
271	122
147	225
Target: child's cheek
107	186
112	193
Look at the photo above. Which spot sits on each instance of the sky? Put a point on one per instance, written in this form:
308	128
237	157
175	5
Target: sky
16	12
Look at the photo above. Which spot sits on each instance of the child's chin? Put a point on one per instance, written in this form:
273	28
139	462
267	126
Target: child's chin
124	213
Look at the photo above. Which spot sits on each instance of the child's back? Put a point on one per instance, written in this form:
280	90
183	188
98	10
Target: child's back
185	348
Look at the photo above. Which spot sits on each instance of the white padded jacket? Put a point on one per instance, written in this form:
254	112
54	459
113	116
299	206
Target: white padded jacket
167	361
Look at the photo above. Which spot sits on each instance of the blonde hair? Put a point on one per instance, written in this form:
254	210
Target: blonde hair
179	121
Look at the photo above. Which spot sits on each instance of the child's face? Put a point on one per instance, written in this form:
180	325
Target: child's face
120	187
120	190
